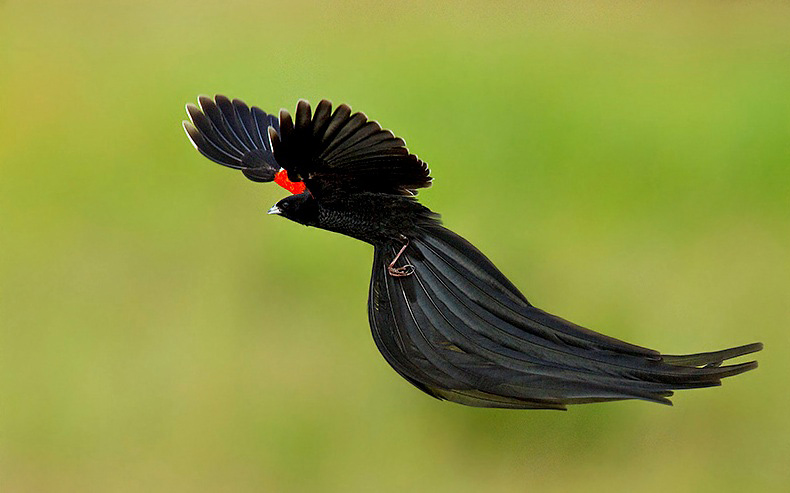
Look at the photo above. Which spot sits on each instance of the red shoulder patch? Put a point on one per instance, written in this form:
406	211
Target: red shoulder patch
281	178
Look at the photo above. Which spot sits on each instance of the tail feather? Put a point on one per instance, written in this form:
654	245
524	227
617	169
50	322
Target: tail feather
459	330
715	358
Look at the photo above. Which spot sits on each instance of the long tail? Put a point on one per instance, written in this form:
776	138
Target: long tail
459	330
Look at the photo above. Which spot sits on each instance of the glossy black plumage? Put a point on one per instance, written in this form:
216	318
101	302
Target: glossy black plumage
346	153
233	135
442	315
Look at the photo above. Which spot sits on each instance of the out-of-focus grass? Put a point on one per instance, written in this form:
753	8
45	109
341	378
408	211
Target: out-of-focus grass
626	165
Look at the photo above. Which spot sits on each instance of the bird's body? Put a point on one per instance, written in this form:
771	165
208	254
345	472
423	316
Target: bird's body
375	218
442	315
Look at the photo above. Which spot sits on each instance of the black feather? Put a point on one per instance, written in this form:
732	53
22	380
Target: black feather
345	153
233	135
474	331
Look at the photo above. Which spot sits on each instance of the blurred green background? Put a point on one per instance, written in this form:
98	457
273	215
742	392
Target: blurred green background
626	165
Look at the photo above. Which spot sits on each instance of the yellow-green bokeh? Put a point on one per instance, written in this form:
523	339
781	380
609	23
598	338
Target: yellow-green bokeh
626	165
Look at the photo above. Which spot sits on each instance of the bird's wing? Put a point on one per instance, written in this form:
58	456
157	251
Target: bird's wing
340	152
460	331
234	135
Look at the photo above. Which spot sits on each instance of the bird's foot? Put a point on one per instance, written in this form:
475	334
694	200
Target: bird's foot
404	270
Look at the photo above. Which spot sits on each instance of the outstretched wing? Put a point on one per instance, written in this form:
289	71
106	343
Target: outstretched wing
345	152
234	135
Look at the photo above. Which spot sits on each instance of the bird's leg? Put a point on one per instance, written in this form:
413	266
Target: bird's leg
402	271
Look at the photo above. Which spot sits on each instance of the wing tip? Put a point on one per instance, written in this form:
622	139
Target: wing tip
189	128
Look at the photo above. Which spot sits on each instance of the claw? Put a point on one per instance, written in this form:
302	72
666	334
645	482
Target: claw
403	271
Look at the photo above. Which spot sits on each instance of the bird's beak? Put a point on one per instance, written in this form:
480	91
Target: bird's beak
274	210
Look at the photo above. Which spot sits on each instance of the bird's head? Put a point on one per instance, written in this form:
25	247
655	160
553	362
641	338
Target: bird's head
301	208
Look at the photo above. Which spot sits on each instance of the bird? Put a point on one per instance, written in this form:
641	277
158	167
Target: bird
441	314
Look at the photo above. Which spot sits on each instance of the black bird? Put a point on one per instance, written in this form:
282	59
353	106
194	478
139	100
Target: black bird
442	315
